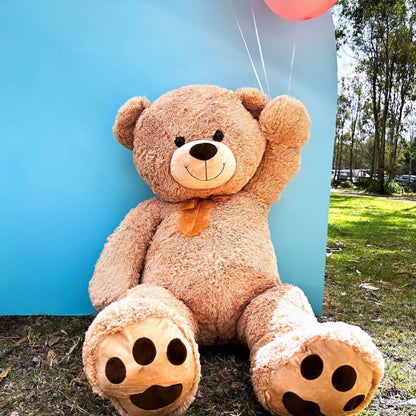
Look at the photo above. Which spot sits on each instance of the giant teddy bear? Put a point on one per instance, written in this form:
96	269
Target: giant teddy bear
195	265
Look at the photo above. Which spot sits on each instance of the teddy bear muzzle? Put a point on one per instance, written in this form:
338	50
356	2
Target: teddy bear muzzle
202	164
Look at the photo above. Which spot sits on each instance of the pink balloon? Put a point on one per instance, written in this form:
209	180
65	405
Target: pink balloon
299	9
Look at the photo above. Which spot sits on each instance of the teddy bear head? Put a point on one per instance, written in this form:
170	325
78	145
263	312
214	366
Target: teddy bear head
196	141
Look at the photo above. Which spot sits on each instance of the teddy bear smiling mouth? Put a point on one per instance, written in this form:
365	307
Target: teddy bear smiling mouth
206	173
156	397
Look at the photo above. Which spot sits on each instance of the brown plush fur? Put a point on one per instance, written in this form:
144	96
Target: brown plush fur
127	118
137	305
220	284
284	338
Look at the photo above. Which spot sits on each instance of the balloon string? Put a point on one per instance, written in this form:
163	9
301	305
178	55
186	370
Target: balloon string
291	67
260	51
246	46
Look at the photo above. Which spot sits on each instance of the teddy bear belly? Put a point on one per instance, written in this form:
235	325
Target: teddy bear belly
216	274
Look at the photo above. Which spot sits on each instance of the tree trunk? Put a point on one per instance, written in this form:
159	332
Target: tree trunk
353	128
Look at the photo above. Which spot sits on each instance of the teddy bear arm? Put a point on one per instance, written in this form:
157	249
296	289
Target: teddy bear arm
279	165
285	123
121	260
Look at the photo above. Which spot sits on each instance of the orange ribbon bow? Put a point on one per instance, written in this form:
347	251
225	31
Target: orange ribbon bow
195	214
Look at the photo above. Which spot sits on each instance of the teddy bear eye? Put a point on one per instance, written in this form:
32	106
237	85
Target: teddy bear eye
180	141
218	136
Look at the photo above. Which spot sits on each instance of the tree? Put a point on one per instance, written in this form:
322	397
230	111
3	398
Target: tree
350	124
382	36
403	91
343	116
409	166
355	104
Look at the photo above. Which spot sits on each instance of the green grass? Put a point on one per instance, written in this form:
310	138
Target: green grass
373	241
370	240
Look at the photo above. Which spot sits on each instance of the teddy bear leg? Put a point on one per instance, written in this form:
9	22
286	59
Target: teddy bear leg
141	353
301	367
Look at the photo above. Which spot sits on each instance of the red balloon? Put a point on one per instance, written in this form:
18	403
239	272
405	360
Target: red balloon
299	9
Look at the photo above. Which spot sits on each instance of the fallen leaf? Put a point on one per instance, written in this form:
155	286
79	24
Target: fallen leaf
4	373
51	358
53	339
21	341
358	272
368	286
383	282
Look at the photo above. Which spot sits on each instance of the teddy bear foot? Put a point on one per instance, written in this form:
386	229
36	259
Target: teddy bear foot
333	373
147	366
147	363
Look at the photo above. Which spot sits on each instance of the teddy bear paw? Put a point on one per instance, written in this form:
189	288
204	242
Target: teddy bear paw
285	119
325	378
148	368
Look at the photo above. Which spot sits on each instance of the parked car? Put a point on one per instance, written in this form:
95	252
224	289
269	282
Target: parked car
405	179
358	175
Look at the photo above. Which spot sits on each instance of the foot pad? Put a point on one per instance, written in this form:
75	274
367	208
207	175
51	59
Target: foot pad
328	378
148	366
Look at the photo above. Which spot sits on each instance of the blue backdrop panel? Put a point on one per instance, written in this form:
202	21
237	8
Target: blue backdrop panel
67	66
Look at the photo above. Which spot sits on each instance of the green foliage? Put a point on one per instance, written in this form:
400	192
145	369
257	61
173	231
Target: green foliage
393	188
410	153
346	185
410	188
372	186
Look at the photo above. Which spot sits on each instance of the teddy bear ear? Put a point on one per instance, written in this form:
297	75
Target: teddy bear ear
126	119
253	100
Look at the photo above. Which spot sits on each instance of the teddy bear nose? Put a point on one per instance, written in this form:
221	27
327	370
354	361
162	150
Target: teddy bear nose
203	151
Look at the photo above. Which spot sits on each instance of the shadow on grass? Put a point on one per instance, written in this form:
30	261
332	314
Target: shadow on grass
387	224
